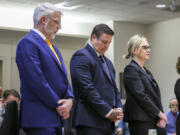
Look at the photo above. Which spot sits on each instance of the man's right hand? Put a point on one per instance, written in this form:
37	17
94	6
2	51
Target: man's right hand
119	131
162	116
116	114
161	124
162	120
65	107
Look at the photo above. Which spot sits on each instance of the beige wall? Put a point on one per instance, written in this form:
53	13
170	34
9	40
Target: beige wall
67	46
0	73
123	31
8	41
164	38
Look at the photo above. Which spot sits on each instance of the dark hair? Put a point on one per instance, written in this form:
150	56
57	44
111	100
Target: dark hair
178	65
13	92
101	29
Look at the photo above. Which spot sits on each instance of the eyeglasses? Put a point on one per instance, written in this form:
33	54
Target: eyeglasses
146	47
173	105
55	20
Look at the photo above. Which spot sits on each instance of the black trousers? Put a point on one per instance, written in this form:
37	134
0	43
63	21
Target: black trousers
178	130
43	131
178	126
83	130
142	128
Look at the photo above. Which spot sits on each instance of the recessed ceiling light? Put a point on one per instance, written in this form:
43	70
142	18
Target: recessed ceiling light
67	5
161	6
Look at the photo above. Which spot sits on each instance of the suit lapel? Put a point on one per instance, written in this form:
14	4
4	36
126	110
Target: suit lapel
97	59
152	81
151	78
148	75
62	66
45	45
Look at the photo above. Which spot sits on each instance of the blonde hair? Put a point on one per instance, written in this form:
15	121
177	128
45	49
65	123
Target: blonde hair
134	42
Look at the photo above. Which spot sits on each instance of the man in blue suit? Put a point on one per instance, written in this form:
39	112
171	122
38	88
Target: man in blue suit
45	90
97	101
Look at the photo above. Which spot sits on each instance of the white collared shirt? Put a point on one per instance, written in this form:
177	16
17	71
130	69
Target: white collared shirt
94	49
40	33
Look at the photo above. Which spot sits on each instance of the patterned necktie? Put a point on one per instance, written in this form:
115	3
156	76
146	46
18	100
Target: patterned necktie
52	49
105	67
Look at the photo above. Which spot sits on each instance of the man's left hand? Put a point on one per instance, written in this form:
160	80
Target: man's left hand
161	124
64	108
119	131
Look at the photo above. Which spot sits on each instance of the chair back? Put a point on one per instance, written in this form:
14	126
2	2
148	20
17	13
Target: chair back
10	122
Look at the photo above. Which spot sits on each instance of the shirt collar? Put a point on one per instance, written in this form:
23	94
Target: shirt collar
94	49
40	33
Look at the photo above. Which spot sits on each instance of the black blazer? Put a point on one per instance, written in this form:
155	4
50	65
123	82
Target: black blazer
177	93
143	95
93	89
10	122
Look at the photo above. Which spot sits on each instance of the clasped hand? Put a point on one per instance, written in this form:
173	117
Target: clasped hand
162	120
64	108
116	114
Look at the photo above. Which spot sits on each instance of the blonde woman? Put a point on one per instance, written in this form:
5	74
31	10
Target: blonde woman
143	108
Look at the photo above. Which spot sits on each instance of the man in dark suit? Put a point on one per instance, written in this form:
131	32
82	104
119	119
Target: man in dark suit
97	101
46	93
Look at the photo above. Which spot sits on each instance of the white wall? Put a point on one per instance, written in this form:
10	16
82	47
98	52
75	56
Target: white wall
110	52
23	21
164	38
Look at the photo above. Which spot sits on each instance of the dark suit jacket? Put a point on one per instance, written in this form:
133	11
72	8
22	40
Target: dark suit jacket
177	93
43	82
10	122
143	95
92	88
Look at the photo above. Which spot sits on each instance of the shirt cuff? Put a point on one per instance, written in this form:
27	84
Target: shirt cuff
109	113
117	123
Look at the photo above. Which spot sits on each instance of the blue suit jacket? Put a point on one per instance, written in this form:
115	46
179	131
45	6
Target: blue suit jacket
93	89
43	82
